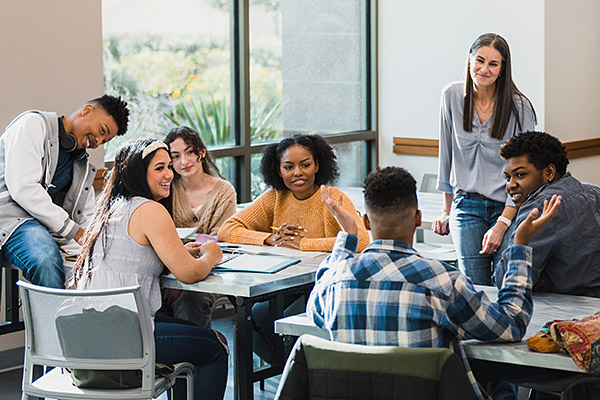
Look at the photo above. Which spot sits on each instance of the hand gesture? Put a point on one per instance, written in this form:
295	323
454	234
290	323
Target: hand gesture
440	225
287	235
492	239
532	226
335	207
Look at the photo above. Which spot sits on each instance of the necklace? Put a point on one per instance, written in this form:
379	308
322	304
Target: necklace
484	111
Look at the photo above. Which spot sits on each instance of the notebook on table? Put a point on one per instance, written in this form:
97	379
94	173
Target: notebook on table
254	263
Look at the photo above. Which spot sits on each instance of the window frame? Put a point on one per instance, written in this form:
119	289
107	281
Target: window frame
242	150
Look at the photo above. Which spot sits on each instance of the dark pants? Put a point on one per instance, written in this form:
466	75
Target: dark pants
498	375
293	304
177	341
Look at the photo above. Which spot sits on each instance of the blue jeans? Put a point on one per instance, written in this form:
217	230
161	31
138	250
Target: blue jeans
470	218
33	250
176	341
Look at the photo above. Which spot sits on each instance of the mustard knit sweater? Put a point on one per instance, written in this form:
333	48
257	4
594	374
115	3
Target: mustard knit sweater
252	225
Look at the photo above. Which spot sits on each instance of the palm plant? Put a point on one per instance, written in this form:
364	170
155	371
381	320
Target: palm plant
212	121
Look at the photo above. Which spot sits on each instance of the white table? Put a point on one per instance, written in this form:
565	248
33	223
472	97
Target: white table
244	290
547	306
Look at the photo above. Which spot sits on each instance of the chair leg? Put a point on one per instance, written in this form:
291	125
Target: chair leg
189	380
532	395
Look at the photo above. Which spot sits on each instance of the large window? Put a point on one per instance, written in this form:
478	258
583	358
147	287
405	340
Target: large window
244	73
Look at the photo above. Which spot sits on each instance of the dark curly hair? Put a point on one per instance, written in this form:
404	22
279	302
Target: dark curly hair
390	190
321	151
192	138
116	108
540	148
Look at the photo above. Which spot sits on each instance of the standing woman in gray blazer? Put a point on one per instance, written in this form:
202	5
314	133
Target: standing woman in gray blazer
477	117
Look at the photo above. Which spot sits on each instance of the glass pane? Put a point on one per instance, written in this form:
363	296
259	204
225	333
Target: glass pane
306	67
352	163
226	167
257	184
171	63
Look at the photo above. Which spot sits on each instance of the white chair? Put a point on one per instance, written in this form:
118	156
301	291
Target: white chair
428	182
428	243
56	337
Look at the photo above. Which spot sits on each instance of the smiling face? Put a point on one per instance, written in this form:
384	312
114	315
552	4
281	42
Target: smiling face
91	126
160	174
522	178
185	161
485	66
298	168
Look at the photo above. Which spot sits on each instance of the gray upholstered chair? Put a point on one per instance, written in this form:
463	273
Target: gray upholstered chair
91	330
320	369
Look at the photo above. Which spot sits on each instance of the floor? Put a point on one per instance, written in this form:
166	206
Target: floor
10	381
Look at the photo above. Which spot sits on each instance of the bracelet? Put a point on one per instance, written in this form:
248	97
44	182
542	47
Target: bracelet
505	221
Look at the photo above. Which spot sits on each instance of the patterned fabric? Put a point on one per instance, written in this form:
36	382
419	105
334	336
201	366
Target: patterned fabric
582	340
542	341
252	225
391	295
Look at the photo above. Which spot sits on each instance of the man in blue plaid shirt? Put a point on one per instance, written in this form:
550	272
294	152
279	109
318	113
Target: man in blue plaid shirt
391	295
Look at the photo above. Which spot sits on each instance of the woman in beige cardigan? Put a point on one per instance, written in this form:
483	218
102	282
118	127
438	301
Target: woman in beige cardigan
202	199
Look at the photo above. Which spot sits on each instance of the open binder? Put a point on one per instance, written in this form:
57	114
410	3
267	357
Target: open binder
255	263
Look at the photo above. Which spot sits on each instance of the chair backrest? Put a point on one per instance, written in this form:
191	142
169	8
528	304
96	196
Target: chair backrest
428	183
318	368
95	329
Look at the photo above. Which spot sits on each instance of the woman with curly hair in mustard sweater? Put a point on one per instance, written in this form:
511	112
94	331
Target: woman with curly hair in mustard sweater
291	214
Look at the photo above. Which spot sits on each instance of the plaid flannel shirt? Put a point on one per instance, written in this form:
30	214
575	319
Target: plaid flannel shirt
391	295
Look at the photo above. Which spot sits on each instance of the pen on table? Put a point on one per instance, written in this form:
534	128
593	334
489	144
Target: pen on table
276	229
229	246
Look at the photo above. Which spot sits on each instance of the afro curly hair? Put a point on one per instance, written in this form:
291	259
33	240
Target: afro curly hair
540	148
321	151
391	189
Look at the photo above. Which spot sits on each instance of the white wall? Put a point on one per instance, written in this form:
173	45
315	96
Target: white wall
424	44
51	54
51	59
572	77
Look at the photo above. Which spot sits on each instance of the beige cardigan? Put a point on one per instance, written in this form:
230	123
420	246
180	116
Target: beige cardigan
219	206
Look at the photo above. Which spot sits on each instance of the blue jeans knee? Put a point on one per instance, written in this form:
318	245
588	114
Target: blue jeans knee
33	250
